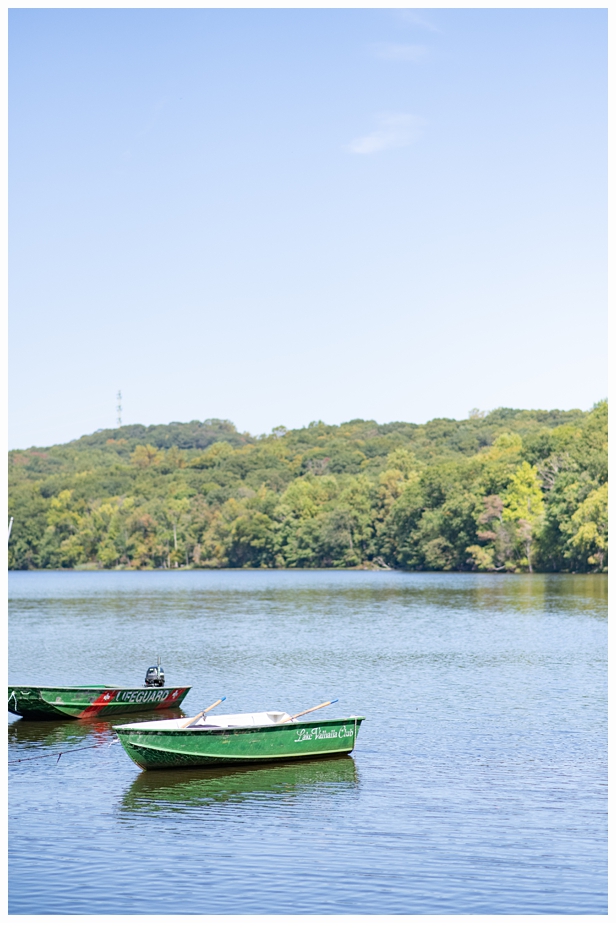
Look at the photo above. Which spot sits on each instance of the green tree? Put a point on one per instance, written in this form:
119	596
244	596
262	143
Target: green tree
524	508
146	455
587	544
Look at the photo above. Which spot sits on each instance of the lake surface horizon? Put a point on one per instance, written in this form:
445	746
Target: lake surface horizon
478	783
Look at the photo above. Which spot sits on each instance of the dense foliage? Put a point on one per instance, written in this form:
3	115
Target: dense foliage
505	491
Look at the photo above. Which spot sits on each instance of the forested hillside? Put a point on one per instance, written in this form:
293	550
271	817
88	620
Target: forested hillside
505	491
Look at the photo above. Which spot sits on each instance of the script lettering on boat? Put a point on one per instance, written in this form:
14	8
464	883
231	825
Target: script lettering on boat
318	733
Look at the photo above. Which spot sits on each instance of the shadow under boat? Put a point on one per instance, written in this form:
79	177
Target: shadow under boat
156	791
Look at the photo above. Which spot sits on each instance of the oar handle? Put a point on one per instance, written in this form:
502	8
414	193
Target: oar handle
191	721
306	711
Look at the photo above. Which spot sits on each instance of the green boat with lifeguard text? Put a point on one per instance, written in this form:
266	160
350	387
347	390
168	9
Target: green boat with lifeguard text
48	702
99	701
231	740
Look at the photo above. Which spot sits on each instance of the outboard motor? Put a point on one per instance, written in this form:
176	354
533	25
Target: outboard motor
155	676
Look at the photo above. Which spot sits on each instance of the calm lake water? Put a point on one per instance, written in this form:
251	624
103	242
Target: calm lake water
478	785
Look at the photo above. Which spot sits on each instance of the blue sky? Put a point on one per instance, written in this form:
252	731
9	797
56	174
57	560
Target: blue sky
283	216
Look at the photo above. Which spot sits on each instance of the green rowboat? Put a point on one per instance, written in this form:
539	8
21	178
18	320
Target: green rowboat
86	702
230	740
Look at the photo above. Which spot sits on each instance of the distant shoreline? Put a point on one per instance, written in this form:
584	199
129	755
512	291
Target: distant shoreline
299	569
506	491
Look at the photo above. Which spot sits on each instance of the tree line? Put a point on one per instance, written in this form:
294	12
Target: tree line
506	491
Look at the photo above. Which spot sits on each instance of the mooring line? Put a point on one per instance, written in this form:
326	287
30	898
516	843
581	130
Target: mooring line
24	760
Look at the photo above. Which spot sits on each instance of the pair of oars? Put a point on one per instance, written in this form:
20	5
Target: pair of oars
289	718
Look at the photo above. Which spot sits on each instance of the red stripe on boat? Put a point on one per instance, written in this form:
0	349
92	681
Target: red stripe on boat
99	703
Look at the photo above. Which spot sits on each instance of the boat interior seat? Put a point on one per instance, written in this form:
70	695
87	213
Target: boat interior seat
243	720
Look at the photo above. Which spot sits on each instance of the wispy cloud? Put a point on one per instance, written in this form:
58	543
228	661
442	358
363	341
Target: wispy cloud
155	112
153	117
395	131
394	52
414	19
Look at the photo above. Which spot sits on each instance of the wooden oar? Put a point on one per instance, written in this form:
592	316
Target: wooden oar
191	721
291	718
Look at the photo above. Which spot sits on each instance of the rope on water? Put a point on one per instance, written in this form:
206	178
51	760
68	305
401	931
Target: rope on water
24	760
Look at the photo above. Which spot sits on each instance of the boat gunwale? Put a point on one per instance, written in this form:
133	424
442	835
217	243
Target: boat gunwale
131	728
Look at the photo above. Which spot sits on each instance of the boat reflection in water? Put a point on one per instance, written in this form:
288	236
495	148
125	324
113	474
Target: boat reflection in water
155	791
25	735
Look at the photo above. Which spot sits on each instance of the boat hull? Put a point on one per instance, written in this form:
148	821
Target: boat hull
87	702
153	749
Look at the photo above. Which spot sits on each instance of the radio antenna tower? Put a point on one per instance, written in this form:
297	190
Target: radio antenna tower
119	409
